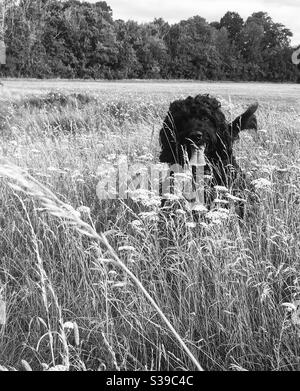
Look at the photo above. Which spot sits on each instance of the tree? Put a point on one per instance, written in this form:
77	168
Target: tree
234	23
72	38
129	40
192	50
230	58
264	45
275	34
152	52
215	25
91	38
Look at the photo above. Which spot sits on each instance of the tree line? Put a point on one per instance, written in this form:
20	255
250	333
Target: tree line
73	39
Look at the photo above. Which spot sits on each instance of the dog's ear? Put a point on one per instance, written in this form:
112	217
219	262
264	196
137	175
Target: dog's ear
245	121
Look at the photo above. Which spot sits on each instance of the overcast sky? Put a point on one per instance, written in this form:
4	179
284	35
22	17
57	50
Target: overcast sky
283	11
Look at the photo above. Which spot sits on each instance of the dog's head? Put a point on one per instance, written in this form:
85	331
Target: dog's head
198	123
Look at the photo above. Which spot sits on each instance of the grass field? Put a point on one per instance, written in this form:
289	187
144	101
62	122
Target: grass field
91	285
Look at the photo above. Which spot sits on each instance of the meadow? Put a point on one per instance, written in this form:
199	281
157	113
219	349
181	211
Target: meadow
99	285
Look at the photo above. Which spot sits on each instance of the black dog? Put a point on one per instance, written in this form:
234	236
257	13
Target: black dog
198	123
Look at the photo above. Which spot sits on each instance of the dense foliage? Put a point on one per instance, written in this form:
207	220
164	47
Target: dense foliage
73	39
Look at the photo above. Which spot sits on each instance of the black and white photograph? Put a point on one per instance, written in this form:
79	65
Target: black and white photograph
149	188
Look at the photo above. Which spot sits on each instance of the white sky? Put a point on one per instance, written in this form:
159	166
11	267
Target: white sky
286	12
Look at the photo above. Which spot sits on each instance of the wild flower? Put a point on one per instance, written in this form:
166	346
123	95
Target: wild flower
69	325
126	248
112	273
191	224
51	168
84	210
262	183
268	168
234	198
150	216
218	216
145	197
76	173
136	224
221	189
112	156
172	197
180	212
58	368
146	157
220	201
198	207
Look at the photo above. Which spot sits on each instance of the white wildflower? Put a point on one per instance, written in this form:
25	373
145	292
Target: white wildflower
268	168
221	189
51	168
84	210
58	368
112	156
145	196
262	183
289	306
76	173
172	197
191	224
69	325
147	157
199	208
217	216
126	248
152	216
219	201
136	223
234	198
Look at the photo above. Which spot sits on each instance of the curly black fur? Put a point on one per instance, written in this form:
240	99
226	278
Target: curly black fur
199	122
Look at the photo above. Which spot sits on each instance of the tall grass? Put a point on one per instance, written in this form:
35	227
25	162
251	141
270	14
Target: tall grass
78	300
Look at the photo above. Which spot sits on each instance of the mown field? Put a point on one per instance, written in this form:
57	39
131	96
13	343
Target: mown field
119	285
